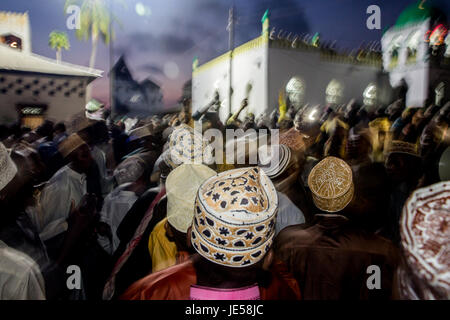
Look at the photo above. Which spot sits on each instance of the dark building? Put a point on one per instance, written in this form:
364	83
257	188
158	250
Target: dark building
130	97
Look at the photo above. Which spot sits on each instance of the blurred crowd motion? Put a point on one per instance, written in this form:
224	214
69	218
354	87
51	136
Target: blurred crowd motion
353	189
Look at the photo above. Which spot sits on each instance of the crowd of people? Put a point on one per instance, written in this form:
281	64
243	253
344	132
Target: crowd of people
356	206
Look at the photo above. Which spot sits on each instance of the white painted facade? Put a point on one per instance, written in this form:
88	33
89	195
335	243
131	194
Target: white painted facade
415	72
18	25
268	66
28	79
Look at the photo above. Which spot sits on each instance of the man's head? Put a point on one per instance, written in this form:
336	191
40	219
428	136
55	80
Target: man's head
402	161
131	170
331	184
234	218
395	109
8	173
185	145
77	152
281	164
418	117
181	188
60	127
359	144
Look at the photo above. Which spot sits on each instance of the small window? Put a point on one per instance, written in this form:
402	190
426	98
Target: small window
12	41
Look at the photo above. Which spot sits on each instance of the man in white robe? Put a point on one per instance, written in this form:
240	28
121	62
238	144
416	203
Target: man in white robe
20	277
65	189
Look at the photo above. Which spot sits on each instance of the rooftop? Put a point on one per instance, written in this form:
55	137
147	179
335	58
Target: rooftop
14	60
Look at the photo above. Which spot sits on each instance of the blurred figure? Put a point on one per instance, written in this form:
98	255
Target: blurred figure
19	274
59	133
329	258
404	168
133	178
232	232
283	171
167	244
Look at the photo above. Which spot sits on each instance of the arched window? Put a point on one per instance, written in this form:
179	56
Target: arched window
12	41
412	45
295	90
370	95
334	92
394	50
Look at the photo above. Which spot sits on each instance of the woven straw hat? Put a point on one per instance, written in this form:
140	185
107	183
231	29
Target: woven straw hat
70	144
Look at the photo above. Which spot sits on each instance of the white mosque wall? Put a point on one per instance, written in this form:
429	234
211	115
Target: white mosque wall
317	72
209	78
249	67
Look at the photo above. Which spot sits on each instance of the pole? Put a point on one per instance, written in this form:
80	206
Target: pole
230	29
111	61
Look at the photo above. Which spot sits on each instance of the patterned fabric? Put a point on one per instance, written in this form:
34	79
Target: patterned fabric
187	146
70	144
7	167
234	219
331	184
425	233
293	139
397	146
205	293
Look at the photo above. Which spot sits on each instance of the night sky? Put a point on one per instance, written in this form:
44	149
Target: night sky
162	45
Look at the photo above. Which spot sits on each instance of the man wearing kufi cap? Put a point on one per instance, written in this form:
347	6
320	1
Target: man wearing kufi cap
330	257
20	276
167	243
185	146
133	179
68	185
424	272
404	169
304	132
232	231
280	164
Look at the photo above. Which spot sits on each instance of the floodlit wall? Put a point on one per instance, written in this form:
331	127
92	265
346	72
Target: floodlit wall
249	66
317	70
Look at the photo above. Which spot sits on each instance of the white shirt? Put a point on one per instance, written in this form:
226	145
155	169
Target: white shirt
288	213
106	181
115	208
55	201
20	277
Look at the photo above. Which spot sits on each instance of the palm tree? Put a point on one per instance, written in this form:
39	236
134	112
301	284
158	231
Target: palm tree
95	20
58	40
